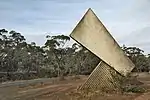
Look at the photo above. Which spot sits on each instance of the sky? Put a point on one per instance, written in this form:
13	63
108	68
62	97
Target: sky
127	20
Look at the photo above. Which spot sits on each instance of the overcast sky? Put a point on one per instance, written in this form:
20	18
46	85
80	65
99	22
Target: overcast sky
127	20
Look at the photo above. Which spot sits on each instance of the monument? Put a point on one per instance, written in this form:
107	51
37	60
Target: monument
92	34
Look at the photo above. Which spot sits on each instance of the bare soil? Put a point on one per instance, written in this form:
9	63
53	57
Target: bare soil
53	89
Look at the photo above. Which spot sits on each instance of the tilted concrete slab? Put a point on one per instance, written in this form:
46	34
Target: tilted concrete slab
92	34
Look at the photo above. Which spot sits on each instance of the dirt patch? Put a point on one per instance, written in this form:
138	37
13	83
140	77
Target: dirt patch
66	90
145	96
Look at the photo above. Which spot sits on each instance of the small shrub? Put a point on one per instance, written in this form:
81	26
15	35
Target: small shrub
134	89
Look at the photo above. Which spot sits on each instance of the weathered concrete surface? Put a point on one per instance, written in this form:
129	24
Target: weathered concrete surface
92	34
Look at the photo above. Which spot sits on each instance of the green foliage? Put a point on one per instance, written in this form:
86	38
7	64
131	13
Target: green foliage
141	61
134	89
53	59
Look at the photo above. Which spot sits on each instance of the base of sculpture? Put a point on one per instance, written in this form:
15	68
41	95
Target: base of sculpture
102	78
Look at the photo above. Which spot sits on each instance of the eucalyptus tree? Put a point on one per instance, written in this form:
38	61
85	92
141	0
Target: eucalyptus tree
56	49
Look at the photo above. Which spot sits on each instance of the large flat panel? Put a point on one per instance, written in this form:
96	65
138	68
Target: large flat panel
93	35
